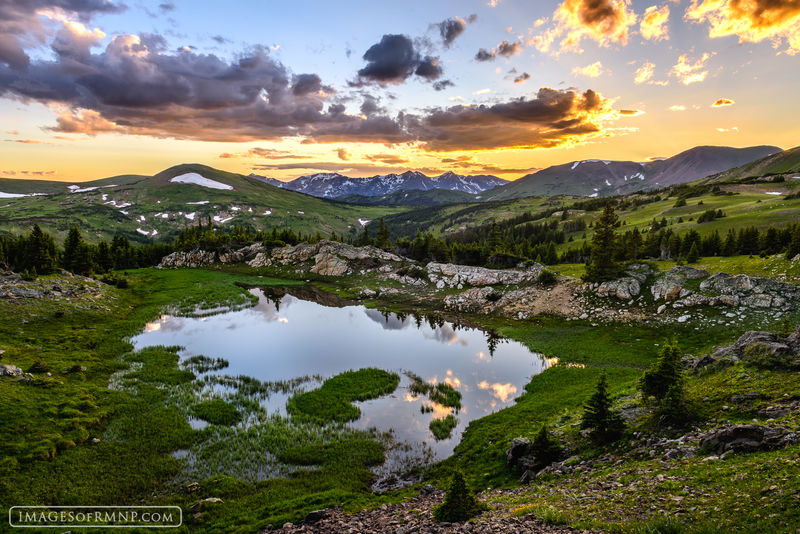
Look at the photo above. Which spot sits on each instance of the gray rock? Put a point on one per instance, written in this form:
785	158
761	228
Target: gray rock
518	448
453	275
744	438
623	288
10	370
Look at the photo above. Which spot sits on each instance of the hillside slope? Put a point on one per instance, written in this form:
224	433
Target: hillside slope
156	207
605	178
785	162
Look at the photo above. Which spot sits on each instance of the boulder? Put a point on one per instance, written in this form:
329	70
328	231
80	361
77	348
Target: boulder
688	272
326	264
727	284
448	274
195	258
745	438
261	260
623	288
518	448
10	370
471	300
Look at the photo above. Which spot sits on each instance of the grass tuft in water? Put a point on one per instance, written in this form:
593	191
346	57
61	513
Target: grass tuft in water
217	412
443	428
331	402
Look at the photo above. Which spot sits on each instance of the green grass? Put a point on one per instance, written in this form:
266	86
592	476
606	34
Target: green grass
217	412
443	428
332	401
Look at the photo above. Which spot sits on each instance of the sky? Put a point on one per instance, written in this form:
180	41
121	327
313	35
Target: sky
97	88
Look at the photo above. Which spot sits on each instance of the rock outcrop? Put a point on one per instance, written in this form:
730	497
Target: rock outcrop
747	438
623	288
450	275
764	349
669	286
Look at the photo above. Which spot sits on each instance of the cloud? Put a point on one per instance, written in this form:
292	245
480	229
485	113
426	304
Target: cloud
395	59
591	71
722	102
732	129
644	73
258	152
505	49
604	21
22	24
87	122
751	20
677	108
343	154
450	29
522	78
389	159
551	118
654	25
689	71
166	7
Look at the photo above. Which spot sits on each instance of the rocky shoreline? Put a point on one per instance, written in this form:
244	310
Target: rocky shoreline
643	293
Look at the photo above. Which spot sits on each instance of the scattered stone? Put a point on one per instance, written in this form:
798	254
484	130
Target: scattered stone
10	370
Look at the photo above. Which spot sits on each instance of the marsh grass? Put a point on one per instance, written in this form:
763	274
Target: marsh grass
332	402
443	428
217	412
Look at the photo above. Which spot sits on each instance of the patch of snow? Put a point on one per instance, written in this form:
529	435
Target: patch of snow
11	195
219	219
301	212
593	195
249	210
124	212
140	218
190	216
114	204
608	183
575	165
363	222
79	189
235	208
200	203
268	212
606	162
196	179
104	197
143	232
774	193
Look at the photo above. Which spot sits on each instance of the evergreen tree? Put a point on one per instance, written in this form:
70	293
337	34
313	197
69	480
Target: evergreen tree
459	503
544	448
666	372
693	254
40	252
383	239
602	265
731	245
794	244
604	423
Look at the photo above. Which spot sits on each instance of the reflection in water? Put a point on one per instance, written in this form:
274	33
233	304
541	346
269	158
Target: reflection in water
287	335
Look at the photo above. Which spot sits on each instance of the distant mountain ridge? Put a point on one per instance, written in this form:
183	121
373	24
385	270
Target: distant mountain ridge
605	177
333	185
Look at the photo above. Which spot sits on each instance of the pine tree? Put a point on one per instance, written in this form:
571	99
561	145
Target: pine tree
794	244
602	265
544	448
604	424
666	372
693	254
40	252
383	239
459	503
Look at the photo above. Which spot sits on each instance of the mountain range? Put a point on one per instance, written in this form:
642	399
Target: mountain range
594	178
333	185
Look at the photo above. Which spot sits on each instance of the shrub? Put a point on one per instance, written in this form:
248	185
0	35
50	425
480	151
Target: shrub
494	296
544	448
547	278
39	366
604	424
459	503
759	355
414	271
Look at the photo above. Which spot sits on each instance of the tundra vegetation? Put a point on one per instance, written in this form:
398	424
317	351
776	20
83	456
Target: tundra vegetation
91	420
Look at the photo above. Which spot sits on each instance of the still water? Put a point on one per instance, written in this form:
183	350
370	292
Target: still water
310	333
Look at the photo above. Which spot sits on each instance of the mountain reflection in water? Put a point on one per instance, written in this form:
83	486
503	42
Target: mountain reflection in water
293	332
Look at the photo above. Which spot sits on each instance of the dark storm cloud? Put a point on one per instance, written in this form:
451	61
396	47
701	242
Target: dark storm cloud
442	85
395	59
450	29
304	84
